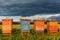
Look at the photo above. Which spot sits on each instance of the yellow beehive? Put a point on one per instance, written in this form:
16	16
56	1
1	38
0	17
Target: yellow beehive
52	26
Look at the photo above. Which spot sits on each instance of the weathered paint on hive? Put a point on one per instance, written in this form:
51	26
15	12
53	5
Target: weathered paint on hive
25	25
39	25
6	25
52	26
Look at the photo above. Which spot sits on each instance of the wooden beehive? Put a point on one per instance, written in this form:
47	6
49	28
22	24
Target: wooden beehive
6	26
39	26
52	26
25	26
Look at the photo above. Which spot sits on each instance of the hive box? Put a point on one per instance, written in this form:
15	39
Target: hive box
39	25
25	25
6	25
52	26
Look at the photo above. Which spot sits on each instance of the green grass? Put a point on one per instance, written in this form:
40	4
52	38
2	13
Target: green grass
16	34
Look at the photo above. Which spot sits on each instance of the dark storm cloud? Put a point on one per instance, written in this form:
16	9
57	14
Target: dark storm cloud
45	9
54	1
28	7
9	2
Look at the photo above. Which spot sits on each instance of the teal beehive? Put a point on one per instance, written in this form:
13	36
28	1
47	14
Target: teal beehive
25	25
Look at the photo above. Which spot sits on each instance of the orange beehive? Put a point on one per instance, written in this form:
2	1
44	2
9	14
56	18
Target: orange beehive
39	25
52	26
6	25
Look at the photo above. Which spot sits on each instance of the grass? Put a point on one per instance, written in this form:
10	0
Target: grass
16	34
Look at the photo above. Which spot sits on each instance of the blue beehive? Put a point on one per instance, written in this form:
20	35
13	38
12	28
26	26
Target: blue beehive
25	25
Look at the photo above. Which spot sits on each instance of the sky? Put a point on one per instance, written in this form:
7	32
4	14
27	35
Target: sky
29	8
26	1
44	17
5	2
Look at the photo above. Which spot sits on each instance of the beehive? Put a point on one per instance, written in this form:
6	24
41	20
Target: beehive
52	26
6	26
25	25
39	25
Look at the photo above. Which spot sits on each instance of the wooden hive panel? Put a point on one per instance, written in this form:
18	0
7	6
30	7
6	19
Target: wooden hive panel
6	25
39	25
52	26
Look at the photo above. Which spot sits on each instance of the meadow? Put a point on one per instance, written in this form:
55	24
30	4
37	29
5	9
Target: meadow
16	34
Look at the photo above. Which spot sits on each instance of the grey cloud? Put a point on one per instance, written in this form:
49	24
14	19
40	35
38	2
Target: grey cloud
27	9
54	1
9	2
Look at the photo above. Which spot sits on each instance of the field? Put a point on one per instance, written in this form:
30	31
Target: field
16	34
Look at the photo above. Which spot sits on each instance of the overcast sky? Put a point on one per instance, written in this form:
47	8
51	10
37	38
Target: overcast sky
29	9
7	2
7	8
